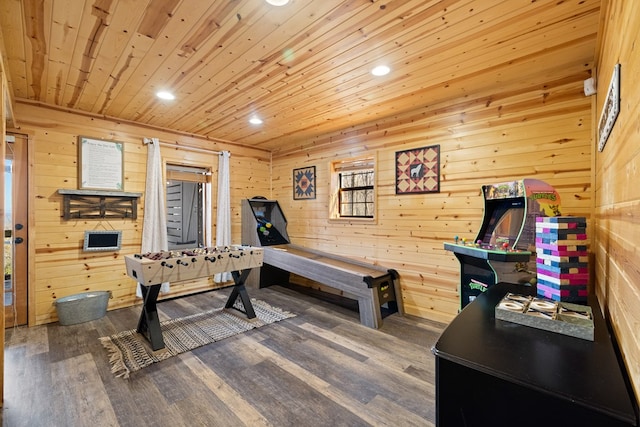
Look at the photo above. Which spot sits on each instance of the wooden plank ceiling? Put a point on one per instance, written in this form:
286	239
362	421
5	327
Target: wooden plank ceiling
304	68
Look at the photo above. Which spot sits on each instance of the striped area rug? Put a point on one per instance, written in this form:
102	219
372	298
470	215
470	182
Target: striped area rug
129	351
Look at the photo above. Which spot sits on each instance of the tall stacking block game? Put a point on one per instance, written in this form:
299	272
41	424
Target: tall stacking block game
562	259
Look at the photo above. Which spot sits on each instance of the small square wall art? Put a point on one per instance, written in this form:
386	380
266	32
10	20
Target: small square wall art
304	183
418	170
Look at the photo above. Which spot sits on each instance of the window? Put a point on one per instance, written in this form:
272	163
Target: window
353	187
356	193
187	207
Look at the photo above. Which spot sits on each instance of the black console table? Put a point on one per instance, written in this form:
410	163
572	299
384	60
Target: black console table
491	372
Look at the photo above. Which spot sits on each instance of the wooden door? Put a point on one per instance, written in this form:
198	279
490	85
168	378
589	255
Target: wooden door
16	231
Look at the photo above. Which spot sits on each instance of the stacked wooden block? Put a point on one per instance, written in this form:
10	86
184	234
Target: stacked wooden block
562	258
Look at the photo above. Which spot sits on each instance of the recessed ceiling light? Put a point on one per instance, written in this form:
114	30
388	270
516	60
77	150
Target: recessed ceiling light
277	2
255	120
163	94
380	70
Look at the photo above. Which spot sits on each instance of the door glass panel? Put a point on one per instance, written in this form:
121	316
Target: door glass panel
185	214
8	236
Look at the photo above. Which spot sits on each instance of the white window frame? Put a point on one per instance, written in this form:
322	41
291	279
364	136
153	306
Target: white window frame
350	165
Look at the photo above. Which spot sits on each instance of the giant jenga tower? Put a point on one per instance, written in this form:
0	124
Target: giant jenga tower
562	258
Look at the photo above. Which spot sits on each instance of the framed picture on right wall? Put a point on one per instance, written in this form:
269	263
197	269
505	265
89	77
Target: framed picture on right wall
418	170
610	109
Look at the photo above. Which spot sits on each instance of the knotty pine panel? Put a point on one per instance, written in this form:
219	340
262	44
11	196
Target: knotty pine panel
3	121
304	65
617	195
445	122
61	268
521	135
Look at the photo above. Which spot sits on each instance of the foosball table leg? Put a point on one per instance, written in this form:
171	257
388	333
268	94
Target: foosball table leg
239	290
149	324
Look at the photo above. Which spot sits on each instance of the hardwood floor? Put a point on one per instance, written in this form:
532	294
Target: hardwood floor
320	368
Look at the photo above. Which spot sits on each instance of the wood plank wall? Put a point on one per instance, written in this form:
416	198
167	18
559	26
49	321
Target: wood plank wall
617	173
58	267
539	132
3	145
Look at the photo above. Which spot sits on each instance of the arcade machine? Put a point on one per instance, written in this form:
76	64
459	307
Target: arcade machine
264	224
375	288
503	249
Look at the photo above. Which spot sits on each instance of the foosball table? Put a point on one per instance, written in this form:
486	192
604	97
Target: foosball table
153	269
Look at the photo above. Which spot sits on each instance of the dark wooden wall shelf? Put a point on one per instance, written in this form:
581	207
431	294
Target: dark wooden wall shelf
96	204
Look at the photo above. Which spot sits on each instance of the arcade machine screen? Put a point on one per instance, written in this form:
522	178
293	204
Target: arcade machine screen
271	223
506	217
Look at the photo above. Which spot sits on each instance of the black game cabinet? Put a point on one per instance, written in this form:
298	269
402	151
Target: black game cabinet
491	372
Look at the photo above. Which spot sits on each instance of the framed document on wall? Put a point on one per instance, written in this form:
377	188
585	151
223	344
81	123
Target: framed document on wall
100	164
